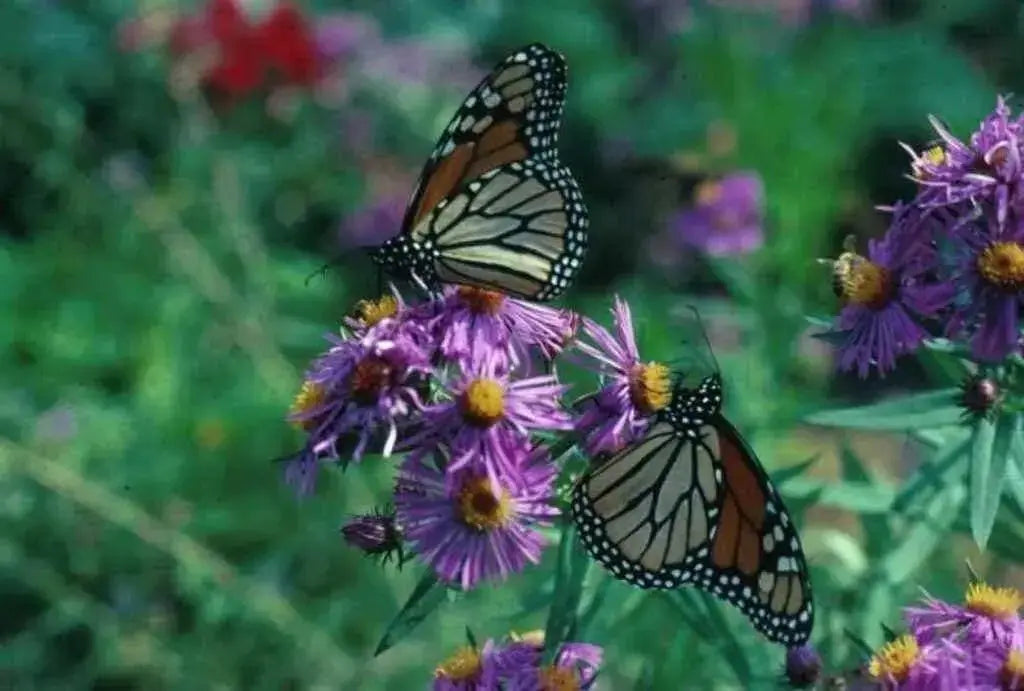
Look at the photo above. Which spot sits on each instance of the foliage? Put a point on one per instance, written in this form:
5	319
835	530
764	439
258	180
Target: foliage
154	250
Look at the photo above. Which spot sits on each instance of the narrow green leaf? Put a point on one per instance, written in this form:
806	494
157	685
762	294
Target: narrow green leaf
470	638
428	594
948	466
1015	470
924	536
860	497
990	452
781	476
931	409
573	563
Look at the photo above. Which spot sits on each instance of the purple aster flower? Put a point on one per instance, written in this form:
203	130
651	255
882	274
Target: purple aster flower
632	391
341	35
575	665
989	275
473	322
906	665
468	669
988	615
489	416
470	527
997	667
375	534
356	393
887	292
726	218
803	666
988	167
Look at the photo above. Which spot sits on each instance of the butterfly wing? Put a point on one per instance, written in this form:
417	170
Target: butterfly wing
519	229
512	115
678	508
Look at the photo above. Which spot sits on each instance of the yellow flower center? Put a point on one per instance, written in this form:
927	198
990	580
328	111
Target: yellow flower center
369	378
309	397
1002	265
483	402
481	507
554	678
895	660
480	300
464	664
1012	674
995	603
862	282
649	387
934	156
707	193
372	312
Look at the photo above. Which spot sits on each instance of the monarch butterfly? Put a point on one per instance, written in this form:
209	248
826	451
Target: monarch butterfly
690	503
494	207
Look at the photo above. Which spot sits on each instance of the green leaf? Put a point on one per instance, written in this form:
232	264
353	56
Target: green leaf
1015	471
926	533
948	466
931	409
428	594
573	563
991	445
781	476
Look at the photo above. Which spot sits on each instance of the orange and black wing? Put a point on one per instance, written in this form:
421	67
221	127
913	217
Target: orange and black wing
693	506
512	115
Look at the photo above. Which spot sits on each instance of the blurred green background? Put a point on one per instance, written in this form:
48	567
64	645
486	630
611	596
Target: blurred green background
154	244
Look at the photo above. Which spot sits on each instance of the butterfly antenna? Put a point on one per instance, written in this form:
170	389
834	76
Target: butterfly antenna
335	261
704	335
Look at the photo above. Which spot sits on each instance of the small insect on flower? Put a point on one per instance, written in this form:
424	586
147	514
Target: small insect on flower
376	534
633	390
979	397
886	293
469	527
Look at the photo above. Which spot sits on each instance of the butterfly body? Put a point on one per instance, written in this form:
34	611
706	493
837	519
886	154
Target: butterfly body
690	504
494	207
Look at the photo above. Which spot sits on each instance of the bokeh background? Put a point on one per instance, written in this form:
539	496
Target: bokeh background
164	199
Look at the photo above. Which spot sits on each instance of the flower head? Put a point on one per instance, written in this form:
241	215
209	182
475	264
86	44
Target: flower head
574	667
905	664
489	415
474	323
888	292
985	168
469	527
376	534
632	392
989	276
987	615
358	392
803	665
468	668
979	397
726	217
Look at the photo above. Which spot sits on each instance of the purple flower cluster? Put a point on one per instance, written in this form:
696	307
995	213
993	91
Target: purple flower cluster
952	258
457	384
516	665
976	646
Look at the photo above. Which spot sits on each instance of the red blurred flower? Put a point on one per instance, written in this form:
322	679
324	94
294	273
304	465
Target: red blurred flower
288	45
243	54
